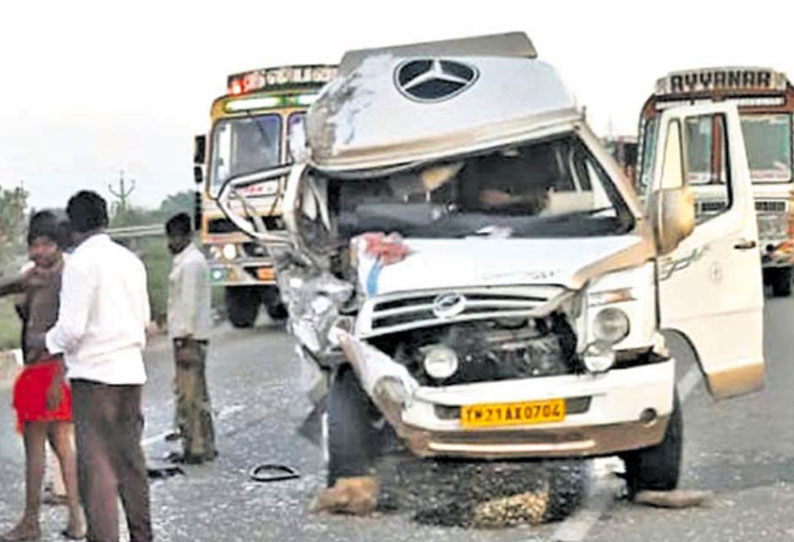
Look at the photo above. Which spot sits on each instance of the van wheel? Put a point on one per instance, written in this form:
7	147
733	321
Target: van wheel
780	280
350	437
657	467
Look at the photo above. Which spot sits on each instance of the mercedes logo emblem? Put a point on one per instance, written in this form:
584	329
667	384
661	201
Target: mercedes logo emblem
434	80
449	305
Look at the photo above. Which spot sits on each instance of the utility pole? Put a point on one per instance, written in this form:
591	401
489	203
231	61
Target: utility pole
122	193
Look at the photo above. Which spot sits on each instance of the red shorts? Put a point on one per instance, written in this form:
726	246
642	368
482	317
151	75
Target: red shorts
30	395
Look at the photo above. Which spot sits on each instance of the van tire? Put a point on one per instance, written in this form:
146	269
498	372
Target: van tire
780	280
351	436
657	467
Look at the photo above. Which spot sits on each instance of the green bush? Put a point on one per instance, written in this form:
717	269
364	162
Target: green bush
157	260
10	325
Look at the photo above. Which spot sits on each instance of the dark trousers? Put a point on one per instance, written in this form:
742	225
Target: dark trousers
110	462
193	409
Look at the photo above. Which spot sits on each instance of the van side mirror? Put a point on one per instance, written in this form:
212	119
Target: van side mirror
198	175
199	150
672	215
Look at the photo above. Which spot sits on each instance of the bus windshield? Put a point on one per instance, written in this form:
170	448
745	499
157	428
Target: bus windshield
244	145
768	142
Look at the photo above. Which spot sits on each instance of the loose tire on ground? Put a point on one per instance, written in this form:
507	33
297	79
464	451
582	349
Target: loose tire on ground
657	467
351	436
242	305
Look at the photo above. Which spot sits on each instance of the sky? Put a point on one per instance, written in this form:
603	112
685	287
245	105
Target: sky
91	88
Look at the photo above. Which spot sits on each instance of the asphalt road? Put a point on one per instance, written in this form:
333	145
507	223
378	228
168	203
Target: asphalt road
742	450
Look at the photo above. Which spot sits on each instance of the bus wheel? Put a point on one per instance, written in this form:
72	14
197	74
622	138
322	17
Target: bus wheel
242	305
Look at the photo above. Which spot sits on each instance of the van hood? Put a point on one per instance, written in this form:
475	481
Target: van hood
459	263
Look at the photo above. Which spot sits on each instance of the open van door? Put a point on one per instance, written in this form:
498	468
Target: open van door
709	272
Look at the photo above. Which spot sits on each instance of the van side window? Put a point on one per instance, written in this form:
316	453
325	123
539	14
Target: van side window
706	164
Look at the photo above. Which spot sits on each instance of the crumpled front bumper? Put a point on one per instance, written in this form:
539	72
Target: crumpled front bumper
617	418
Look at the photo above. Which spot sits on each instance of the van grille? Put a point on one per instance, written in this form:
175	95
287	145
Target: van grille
391	314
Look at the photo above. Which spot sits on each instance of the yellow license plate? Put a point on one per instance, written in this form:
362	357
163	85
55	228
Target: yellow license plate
500	414
266	273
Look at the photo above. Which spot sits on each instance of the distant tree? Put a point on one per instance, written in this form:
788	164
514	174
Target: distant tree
181	202
13	206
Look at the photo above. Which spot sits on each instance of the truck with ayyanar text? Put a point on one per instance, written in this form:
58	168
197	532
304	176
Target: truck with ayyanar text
765	99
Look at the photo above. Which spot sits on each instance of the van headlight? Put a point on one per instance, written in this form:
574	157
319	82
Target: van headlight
441	362
229	251
599	357
611	325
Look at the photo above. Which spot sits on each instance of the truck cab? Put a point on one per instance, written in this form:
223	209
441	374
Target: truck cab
765	101
249	131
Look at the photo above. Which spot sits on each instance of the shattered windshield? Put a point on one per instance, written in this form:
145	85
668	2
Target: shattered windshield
548	189
768	142
244	145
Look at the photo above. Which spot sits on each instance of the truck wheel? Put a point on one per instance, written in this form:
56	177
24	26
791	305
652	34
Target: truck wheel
350	434
657	467
780	279
276	310
242	305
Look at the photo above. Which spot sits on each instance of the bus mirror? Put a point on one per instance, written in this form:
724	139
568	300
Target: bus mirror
200	149
198	175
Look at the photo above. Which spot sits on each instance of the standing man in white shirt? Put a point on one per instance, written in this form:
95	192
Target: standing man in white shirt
189	328
104	311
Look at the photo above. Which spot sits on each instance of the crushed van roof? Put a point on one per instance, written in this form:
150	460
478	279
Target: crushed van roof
511	44
395	109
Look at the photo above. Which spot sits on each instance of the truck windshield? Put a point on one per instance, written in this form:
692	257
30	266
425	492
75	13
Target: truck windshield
548	189
768	142
244	145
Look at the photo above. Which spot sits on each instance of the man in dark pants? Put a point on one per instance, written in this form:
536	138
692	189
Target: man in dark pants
189	327
104	311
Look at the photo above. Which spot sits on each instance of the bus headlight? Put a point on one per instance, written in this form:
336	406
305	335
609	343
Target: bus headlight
229	251
611	325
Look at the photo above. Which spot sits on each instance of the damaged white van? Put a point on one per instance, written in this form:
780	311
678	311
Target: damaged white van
465	261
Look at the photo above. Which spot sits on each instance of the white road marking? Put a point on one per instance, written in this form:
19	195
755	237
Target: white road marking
225	413
688	383
600	499
605	486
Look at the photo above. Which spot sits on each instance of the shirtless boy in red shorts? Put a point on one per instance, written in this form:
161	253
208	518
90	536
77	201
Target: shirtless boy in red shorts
37	420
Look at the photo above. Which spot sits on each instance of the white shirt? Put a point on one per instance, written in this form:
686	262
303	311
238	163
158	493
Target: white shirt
189	295
104	310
